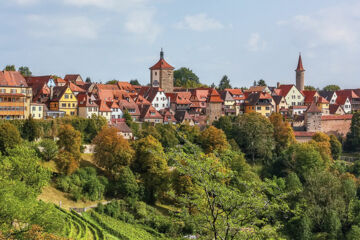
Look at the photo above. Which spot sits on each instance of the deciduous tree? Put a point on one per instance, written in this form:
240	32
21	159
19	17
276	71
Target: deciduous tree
283	133
25	71
331	88
352	143
151	163
213	139
336	147
9	136
112	151
224	83
69	140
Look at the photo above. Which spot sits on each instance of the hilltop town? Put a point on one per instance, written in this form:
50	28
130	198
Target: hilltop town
309	111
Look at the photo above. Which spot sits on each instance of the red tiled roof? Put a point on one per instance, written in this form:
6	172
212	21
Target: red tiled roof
12	78
337	117
146	111
322	100
162	64
283	90
74	78
84	100
341	99
235	91
348	93
103	107
126	86
304	134
255	89
309	95
121	126
75	88
300	65
107	86
180	97
140	100
214	96
58	80
313	109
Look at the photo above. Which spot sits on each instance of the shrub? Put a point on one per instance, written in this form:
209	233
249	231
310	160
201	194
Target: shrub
84	183
49	149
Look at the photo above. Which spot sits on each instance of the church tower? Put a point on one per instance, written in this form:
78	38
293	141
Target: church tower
162	74
300	72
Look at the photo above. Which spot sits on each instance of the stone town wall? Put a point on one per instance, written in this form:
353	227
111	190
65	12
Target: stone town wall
338	127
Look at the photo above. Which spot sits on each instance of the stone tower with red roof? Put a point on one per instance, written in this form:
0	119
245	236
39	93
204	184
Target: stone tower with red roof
300	78
214	106
162	75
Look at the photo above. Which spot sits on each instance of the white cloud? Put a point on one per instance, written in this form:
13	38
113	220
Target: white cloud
199	22
337	25
115	5
62	27
255	43
141	23
26	2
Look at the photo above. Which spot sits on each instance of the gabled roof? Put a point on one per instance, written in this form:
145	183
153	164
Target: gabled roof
75	88
226	96
58	80
84	100
214	96
313	109
12	78
333	108
309	95
140	100
149	92
75	78
182	98
277	99
256	89
107	86
327	94
103	107
126	86
126	104
167	115
112	104
283	90
38	80
121	126
182	115
58	92
258	98
341	99
322	100
348	93
148	111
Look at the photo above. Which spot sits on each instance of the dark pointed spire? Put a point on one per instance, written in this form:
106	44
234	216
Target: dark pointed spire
300	65
161	54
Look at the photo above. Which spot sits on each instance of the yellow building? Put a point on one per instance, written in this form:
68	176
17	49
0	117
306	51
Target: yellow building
259	103
63	100
15	96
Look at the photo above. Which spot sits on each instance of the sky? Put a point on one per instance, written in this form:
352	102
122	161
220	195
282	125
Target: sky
245	39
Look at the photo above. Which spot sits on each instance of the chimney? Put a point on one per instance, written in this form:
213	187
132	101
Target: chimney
51	92
277	84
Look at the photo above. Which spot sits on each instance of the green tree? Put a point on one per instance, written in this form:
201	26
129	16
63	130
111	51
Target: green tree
112	152
66	163
10	68
88	80
336	147
151	163
135	82
114	81
225	123
125	184
217	208
352	143
261	82
9	136
25	71
224	83
30	130
213	139
49	149
184	77
254	135
283	133
69	140
167	133
331	88
309	88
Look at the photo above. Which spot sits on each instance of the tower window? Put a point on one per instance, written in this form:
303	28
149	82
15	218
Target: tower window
155	73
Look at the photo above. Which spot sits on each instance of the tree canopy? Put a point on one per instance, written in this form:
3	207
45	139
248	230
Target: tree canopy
331	88
185	77
224	83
